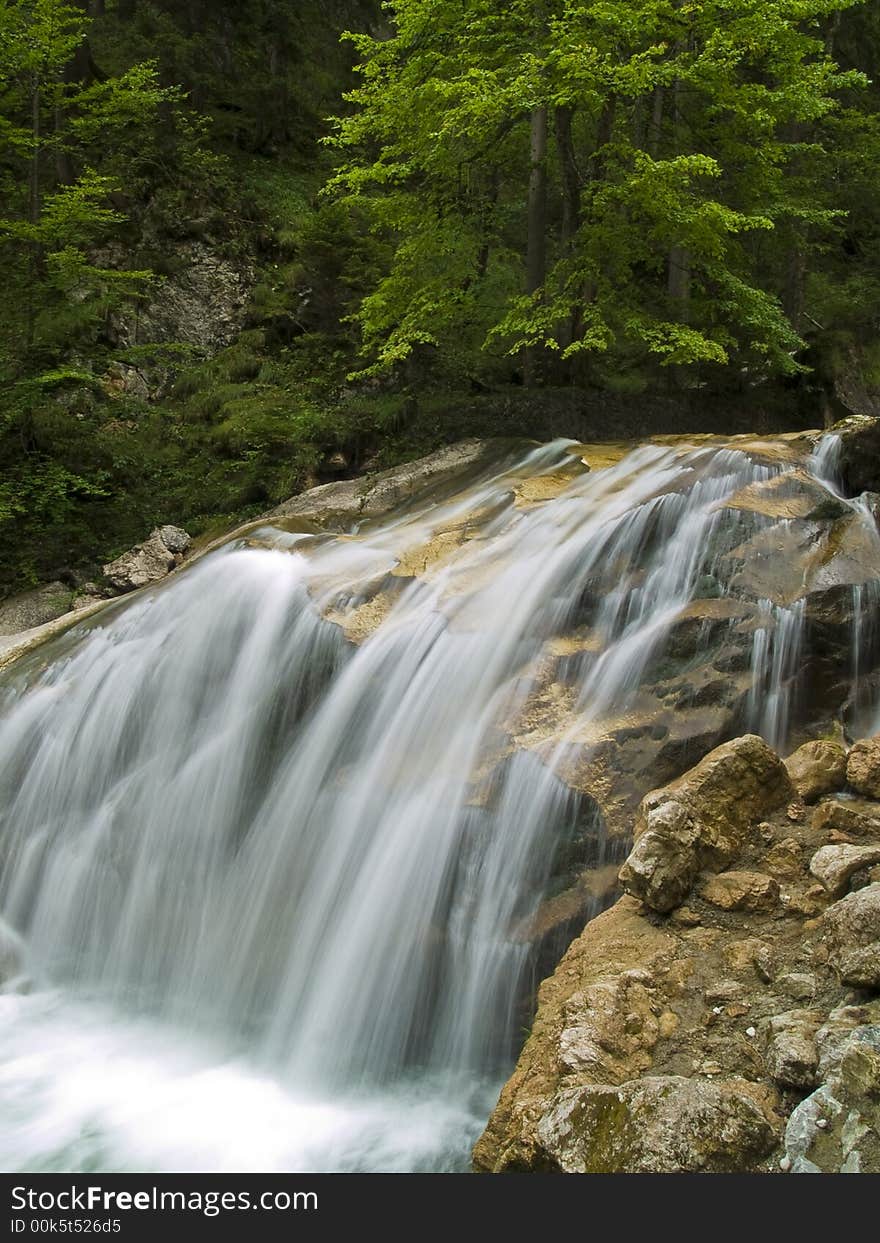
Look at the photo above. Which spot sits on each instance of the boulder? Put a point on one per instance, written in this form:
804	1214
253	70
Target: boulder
658	1124
700	821
863	767
834	816
175	539
834	865
791	1057
817	768
853	936
740	891
148	562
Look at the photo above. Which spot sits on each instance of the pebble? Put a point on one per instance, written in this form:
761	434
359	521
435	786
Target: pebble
751	1033
785	1164
822	1123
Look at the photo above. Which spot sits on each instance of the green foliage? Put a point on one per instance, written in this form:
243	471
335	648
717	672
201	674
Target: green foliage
683	133
710	218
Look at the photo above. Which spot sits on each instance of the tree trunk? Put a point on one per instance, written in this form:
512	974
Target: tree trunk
604	132
568	174
656	127
34	207
536	250
679	263
536	245
679	279
795	274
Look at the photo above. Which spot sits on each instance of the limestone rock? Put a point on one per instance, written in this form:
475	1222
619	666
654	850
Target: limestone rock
658	1124
792	1058
817	768
148	562
740	891
836	1130
863	767
799	985
346	500
700	821
836	816
203	302
175	539
595	1021
853	934
833	866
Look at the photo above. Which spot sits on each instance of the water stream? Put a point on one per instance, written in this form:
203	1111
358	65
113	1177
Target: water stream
265	893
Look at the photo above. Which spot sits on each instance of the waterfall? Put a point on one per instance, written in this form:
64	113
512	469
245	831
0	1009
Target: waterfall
267	831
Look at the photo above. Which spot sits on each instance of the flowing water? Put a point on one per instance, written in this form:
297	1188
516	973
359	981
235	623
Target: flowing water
266	843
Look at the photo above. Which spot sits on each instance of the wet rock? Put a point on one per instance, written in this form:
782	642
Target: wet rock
740	891
863	767
700	821
34	608
793	494
148	562
853	936
817	768
659	1124
347	500
859	452
833	866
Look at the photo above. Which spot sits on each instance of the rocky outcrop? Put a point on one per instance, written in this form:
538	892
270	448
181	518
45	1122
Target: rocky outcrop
837	1128
149	562
657	1125
722	1034
817	768
202	303
700	821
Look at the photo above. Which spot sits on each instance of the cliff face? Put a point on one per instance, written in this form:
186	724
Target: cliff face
738	1030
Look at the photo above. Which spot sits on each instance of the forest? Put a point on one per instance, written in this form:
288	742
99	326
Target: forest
439	597
248	247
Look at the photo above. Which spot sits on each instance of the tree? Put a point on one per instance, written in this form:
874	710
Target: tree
670	140
57	125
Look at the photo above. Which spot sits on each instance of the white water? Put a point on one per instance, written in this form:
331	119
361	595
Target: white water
268	921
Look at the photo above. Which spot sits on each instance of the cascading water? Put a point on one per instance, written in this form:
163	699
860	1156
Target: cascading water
268	880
